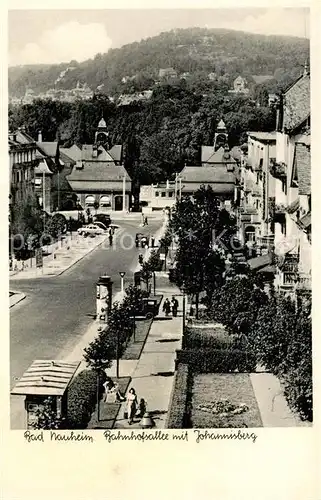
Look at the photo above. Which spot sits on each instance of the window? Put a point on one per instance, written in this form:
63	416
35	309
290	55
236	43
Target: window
38	181
170	194
105	201
156	193
163	194
89	201
26	174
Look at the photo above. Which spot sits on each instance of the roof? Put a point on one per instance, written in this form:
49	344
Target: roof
263	136
22	137
74	152
221	125
296	103
260	262
303	165
103	156
98	176
116	152
49	148
303	139
305	221
218	177
219	157
262	78
46	378
294	206
102	123
42	168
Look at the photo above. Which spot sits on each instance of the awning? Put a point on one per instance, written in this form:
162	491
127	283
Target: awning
294	206
305	221
260	262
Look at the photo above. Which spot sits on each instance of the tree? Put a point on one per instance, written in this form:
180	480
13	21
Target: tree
46	416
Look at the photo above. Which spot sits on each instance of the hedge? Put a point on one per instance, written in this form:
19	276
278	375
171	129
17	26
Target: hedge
178	408
217	360
201	339
82	398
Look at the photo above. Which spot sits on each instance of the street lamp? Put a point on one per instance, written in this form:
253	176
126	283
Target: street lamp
122	274
184	310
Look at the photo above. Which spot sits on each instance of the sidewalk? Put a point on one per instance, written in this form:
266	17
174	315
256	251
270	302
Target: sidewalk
273	406
153	374
64	255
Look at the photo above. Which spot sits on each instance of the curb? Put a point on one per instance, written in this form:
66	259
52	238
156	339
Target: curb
64	270
21	296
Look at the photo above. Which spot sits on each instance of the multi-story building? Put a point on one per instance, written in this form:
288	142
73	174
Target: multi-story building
239	86
292	204
159	196
255	190
22	164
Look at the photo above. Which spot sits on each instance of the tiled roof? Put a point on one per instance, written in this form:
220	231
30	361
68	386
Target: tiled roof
220	157
303	165
48	148
116	152
217	177
207	152
74	152
98	176
306	220
296	103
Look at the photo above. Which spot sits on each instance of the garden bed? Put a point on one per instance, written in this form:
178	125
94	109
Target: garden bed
216	396
109	411
134	348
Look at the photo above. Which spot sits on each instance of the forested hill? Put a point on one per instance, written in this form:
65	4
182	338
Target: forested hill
198	51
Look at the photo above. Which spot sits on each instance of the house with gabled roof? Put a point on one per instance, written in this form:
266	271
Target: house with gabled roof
98	177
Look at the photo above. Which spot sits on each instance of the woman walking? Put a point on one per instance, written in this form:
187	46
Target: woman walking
131	405
167	307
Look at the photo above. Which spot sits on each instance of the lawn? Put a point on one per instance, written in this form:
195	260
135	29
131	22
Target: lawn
109	411
236	388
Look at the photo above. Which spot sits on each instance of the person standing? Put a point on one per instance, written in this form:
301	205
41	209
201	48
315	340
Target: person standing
167	307
131	405
110	236
174	304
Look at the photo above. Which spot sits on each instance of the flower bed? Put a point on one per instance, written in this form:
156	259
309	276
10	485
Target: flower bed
224	400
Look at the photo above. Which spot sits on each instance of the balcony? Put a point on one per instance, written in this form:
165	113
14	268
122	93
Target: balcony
278	170
304	281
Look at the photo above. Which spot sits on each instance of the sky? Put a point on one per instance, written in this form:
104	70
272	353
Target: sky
55	36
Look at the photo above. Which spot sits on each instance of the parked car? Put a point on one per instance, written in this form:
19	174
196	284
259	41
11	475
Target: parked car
104	218
100	224
91	229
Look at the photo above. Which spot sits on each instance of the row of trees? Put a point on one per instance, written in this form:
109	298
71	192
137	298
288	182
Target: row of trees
275	328
203	232
159	135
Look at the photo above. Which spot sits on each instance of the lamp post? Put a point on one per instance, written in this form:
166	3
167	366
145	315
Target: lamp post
184	311
122	274
154	282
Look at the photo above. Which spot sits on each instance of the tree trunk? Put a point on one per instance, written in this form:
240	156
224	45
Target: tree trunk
196	305
98	396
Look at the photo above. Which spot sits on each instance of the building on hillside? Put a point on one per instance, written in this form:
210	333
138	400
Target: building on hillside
254	191
159	196
167	73
99	177
22	164
292	169
239	86
273	99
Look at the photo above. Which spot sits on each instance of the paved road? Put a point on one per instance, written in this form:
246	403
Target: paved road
58	310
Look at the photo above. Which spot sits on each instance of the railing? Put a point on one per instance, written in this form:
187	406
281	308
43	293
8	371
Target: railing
304	281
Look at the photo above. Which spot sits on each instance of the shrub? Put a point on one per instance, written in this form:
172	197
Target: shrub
178	408
81	399
217	360
204	338
298	390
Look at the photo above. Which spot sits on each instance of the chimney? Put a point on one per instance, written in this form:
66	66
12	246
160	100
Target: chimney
39	136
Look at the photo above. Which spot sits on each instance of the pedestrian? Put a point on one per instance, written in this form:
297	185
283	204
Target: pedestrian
142	408
167	307
131	405
174	304
110	236
140	259
146	222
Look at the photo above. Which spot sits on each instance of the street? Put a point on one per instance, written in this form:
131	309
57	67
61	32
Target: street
57	311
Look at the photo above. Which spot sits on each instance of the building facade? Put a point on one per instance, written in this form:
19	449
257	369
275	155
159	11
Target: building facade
98	178
159	196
